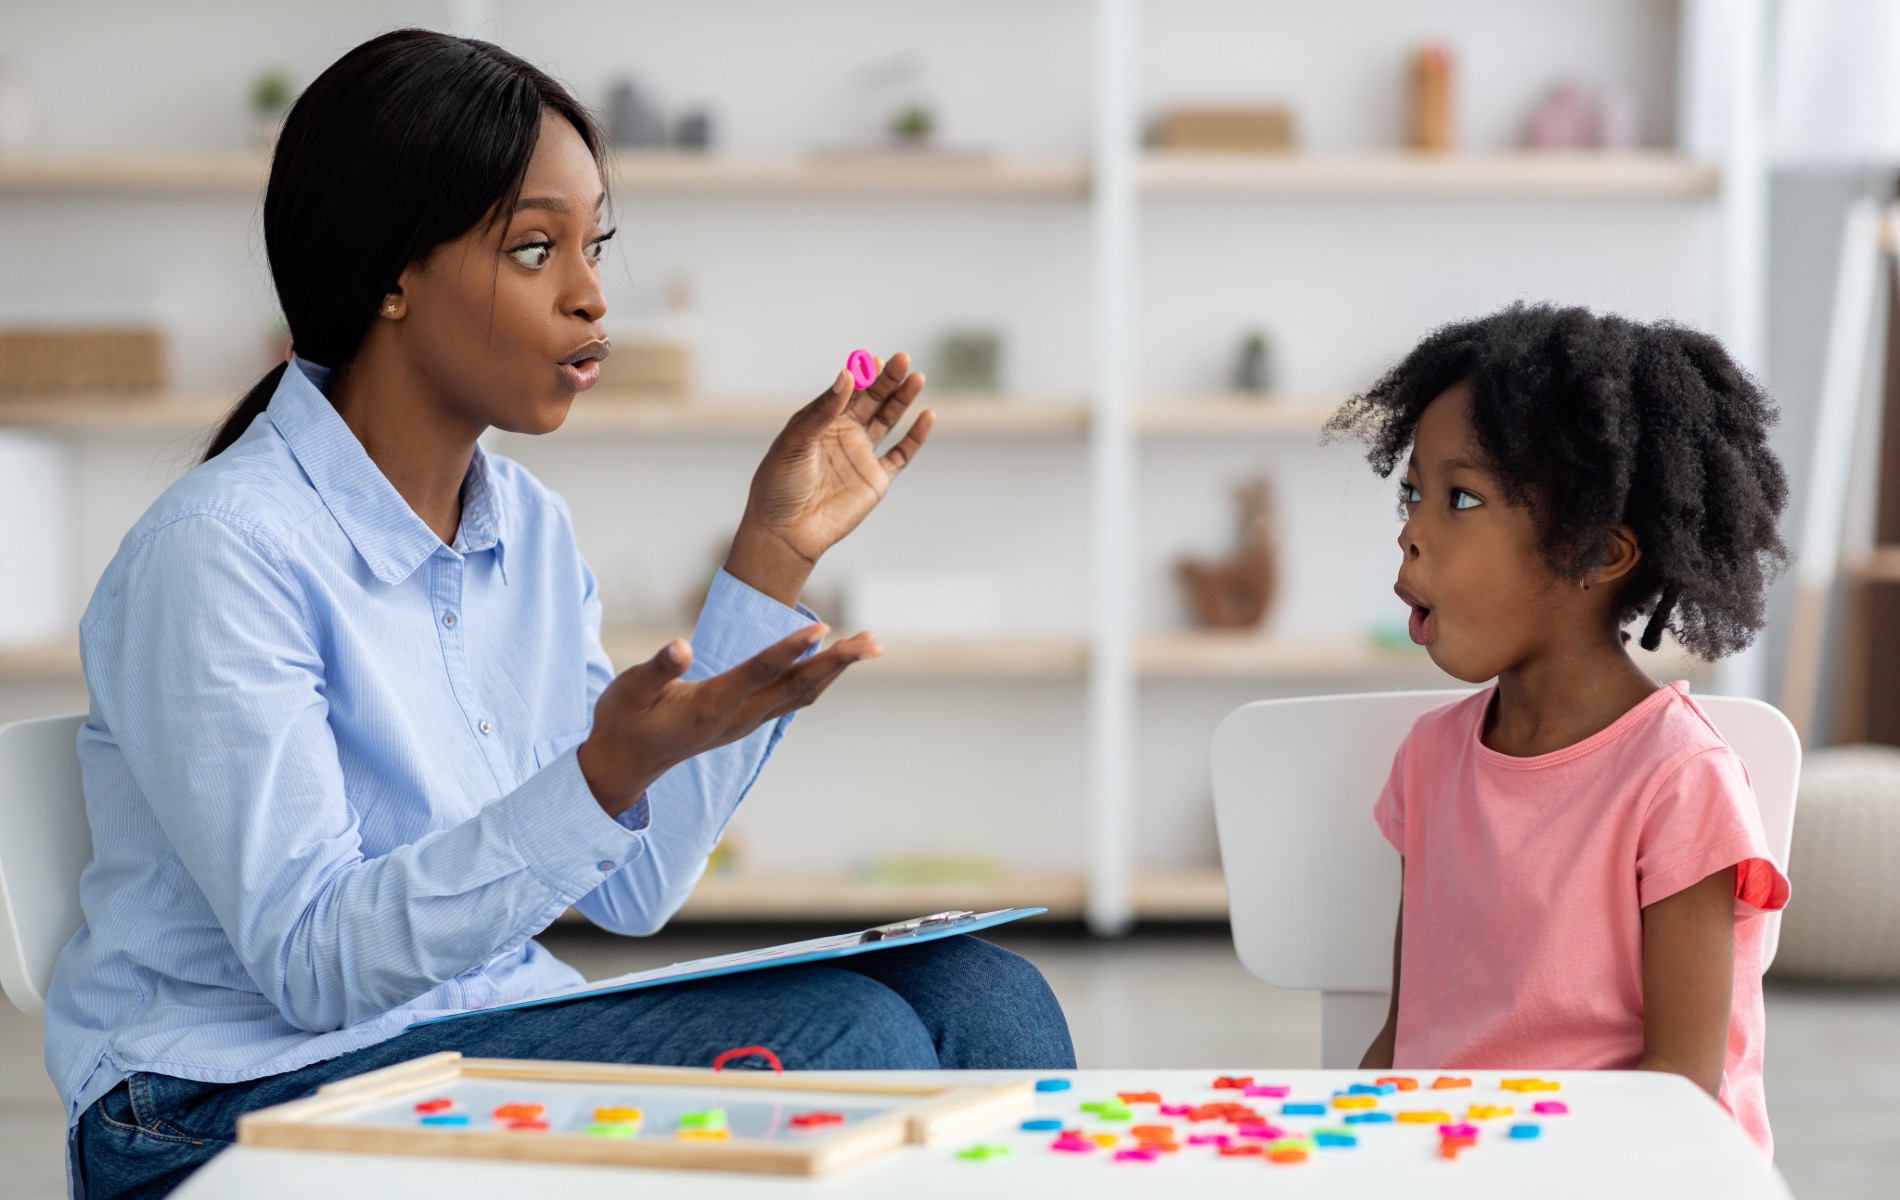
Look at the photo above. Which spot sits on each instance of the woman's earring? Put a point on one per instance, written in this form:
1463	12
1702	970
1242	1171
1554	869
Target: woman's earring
389	308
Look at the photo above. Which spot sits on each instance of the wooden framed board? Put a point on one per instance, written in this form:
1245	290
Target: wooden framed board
796	1123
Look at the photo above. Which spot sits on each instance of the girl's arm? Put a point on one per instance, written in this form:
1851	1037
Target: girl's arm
1379	1054
1688	975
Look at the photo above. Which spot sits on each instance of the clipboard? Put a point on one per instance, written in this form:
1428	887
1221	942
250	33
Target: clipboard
844	945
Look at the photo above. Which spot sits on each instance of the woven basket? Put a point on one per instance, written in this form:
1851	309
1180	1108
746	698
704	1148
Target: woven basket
1843	921
111	360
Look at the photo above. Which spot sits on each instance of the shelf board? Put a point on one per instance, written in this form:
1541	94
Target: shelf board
747	896
1233	415
1880	565
1023	659
639	176
1249	657
55	662
608	412
1179	657
635	175
1245	657
163	413
1590	174
1186	657
958	414
714	417
207	171
1632	174
1183	657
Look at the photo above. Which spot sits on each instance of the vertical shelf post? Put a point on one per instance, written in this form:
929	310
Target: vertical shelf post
1111	681
1742	236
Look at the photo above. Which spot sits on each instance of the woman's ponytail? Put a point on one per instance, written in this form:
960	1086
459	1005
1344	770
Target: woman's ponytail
255	402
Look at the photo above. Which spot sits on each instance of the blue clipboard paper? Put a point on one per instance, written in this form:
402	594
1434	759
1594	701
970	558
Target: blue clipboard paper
844	945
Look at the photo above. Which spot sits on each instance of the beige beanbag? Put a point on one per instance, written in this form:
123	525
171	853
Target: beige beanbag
1843	920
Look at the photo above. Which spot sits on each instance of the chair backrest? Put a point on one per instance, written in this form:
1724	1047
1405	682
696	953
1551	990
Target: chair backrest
1313	887
45	842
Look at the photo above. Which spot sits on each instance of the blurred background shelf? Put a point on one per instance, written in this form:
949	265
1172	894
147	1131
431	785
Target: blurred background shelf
165	413
1207	657
1882	565
1595	174
985	415
1202	657
1248	656
635	175
982	416
1183	895
1026	659
593	412
895	174
1222	414
157	171
1634	174
56	662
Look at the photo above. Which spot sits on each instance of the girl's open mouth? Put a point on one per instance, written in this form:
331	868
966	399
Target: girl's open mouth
1422	627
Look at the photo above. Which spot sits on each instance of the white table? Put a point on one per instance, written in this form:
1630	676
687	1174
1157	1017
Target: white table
1628	1134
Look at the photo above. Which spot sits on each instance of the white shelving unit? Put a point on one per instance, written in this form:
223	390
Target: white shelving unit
1116	426
1563	174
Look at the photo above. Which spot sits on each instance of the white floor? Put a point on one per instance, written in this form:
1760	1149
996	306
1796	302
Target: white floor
1179	999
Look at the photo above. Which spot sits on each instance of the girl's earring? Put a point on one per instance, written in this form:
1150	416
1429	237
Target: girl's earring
389	308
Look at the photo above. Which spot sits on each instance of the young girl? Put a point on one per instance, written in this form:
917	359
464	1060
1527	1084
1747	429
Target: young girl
1584	865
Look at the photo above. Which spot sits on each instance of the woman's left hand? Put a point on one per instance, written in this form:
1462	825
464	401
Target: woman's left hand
823	476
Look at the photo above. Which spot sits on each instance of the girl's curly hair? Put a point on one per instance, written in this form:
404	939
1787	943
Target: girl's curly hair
1591	421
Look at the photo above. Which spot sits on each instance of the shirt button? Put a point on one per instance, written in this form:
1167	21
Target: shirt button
449	620
484	727
605	865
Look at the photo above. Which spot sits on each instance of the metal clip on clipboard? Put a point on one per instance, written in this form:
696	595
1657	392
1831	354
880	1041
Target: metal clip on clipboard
897	929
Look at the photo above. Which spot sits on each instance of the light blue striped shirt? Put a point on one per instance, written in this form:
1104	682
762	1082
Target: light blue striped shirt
330	767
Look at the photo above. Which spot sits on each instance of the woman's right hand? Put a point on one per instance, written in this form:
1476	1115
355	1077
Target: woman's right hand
649	719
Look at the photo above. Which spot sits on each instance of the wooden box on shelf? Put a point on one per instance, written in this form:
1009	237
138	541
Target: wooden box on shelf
648	370
1231	128
80	360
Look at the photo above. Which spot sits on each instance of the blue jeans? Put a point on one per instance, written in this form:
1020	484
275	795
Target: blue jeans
954	1003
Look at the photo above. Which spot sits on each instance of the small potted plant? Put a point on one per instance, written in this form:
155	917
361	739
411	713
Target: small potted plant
913	125
270	99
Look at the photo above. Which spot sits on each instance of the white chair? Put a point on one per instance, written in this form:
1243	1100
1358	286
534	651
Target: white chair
1313	886
45	842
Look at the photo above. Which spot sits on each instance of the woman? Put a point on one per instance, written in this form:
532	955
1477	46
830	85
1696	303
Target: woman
353	739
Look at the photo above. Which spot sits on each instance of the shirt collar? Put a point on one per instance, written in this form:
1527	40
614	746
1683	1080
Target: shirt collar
484	520
386	532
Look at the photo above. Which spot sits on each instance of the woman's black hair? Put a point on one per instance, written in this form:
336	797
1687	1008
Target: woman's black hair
406	142
1591	421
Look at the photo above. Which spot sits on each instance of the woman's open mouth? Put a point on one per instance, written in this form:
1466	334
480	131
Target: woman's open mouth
1421	627
581	369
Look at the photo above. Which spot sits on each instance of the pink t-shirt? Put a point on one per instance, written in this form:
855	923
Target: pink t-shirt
1525	880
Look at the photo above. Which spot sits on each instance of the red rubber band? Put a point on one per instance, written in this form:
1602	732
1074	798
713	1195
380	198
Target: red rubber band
719	1064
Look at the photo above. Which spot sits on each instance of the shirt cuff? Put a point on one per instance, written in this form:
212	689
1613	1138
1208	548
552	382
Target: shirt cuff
562	833
1760	887
739	621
